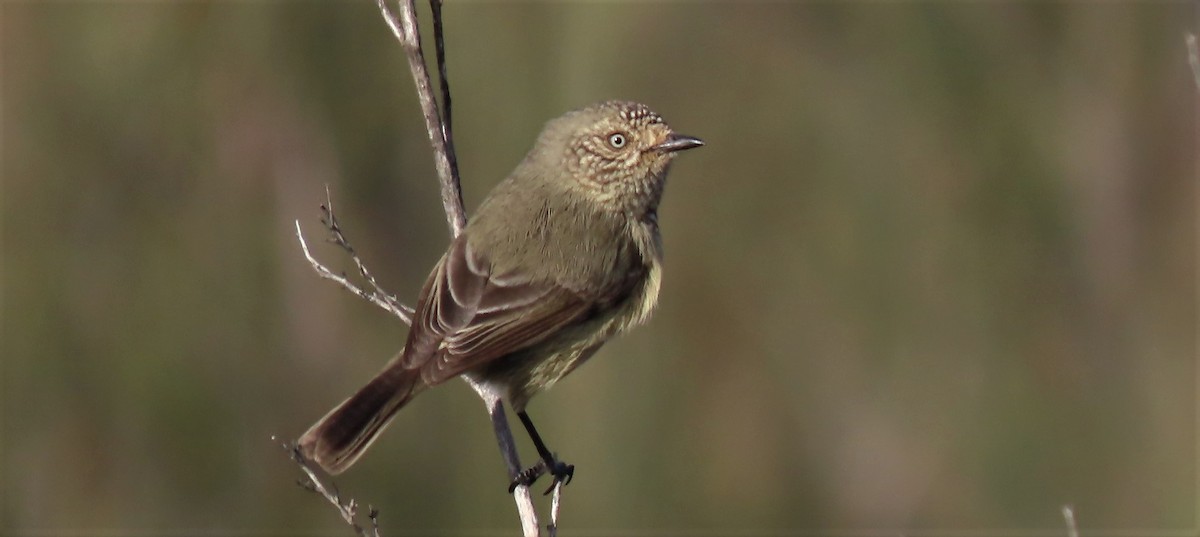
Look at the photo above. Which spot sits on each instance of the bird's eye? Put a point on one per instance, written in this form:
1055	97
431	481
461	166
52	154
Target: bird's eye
616	140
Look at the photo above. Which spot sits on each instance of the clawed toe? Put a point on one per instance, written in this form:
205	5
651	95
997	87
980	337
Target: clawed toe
562	472
528	476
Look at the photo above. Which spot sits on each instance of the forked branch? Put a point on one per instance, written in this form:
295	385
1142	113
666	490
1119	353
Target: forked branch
438	127
405	30
348	509
377	296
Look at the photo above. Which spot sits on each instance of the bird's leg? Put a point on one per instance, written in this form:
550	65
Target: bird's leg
561	471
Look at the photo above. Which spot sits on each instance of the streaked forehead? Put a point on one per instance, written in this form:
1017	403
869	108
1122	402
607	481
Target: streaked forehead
639	114
634	113
606	115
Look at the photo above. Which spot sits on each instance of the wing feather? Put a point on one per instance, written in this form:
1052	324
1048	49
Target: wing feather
469	316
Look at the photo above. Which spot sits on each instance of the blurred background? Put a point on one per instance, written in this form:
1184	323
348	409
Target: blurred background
934	273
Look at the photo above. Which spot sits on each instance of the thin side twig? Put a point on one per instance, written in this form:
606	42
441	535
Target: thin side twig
379	299
329	219
1193	57
348	509
508	450
405	30
1068	512
555	502
439	40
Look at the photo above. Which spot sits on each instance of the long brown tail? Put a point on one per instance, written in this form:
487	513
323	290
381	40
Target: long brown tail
341	437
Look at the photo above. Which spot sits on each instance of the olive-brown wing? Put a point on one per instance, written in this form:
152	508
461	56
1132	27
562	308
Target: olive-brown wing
468	316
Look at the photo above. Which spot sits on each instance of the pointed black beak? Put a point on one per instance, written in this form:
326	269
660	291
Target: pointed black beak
678	142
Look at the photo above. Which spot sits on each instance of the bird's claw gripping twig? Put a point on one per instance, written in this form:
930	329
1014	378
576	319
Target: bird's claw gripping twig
527	476
562	472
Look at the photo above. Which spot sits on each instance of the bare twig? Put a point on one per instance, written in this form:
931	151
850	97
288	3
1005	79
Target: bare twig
380	299
1068	513
373	514
338	238
405	30
508	450
438	126
1193	57
555	501
348	509
439	40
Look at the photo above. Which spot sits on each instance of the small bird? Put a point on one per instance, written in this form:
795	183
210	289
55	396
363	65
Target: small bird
562	255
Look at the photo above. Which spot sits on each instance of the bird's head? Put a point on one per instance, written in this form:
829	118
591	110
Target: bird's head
619	151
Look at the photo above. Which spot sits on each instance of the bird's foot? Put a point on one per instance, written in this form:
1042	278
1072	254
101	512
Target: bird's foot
562	472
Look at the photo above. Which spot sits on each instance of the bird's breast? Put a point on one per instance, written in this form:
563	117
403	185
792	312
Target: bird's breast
645	295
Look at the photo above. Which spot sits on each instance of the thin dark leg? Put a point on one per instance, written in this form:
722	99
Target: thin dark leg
537	439
561	471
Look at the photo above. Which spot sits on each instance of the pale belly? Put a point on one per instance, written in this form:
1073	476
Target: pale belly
519	376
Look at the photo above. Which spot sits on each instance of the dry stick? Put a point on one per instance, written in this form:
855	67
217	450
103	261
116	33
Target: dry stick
399	310
508	450
374	516
405	30
1193	57
438	126
555	502
439	40
379	297
495	406
348	510
1068	512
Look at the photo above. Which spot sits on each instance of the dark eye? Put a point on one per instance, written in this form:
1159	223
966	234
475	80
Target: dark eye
617	140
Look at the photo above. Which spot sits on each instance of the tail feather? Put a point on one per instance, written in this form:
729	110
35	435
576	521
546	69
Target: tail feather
337	440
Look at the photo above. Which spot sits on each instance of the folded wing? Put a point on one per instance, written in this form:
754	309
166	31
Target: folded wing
470	316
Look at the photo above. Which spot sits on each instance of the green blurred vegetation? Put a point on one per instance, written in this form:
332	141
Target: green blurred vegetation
935	269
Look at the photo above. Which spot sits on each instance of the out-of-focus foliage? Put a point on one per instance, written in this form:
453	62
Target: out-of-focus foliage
935	269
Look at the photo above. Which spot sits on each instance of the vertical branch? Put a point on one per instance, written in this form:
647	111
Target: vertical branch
405	30
1068	513
438	126
439	41
508	450
1193	57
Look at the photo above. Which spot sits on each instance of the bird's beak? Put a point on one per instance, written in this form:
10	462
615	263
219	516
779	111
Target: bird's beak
678	142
